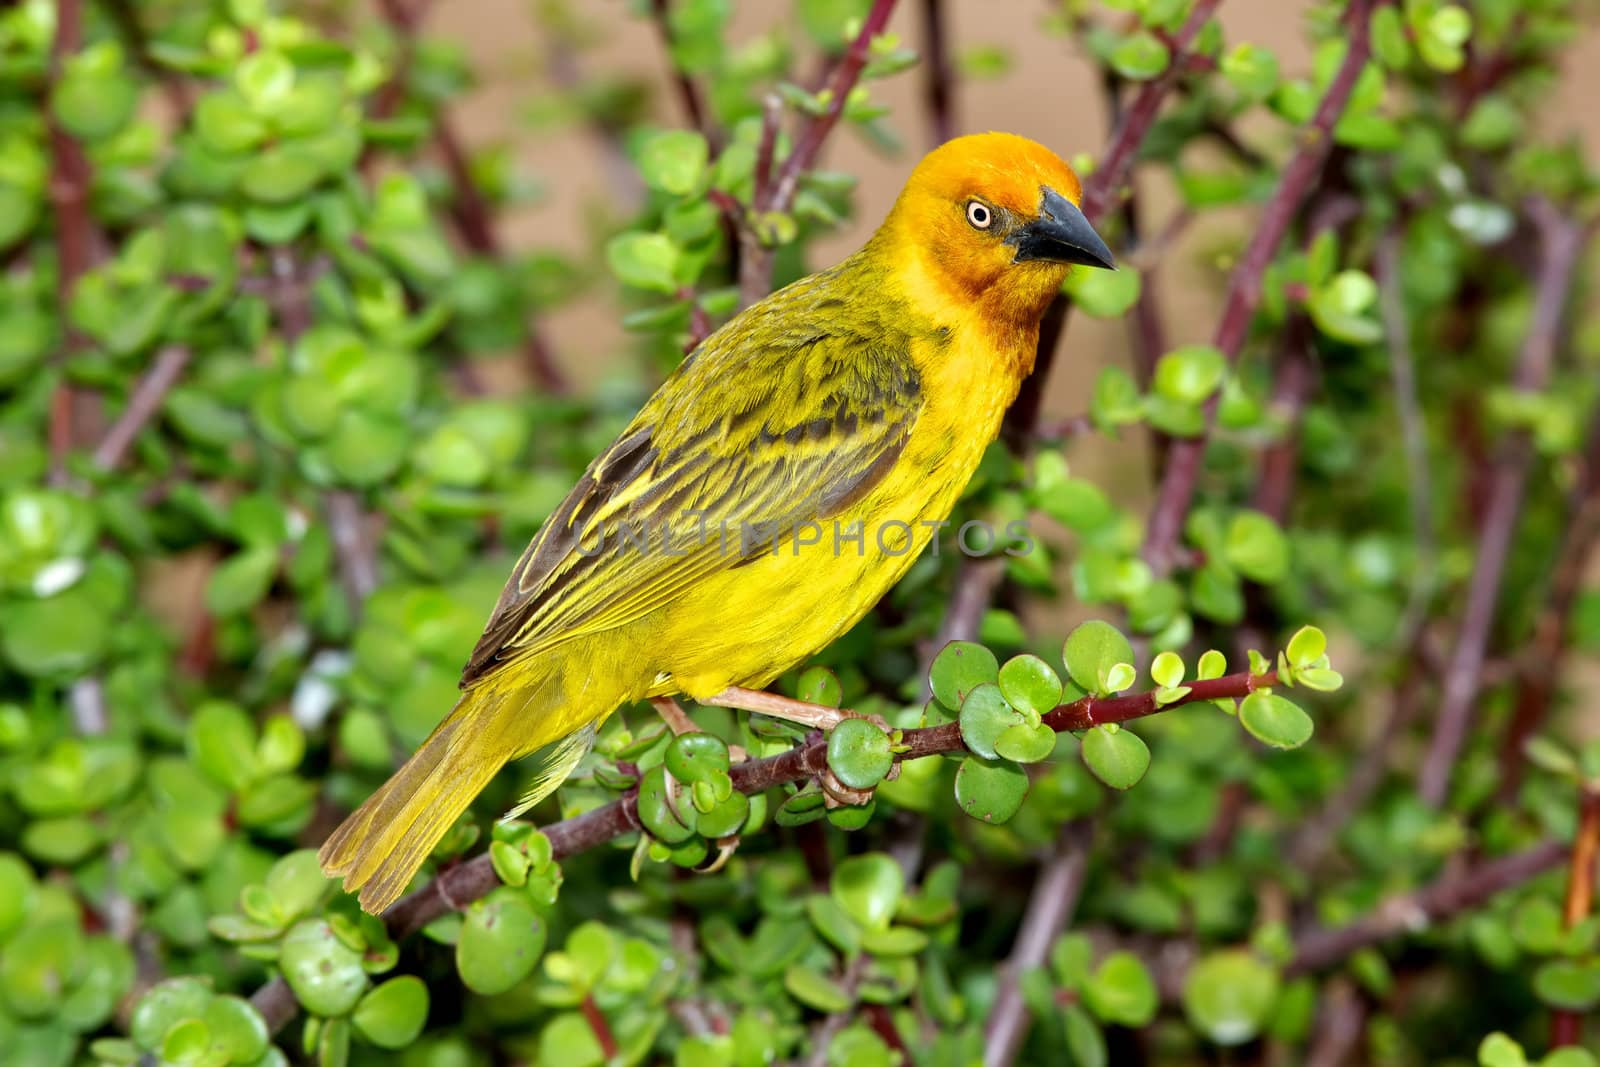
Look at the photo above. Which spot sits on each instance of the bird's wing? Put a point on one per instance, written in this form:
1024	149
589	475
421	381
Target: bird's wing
755	439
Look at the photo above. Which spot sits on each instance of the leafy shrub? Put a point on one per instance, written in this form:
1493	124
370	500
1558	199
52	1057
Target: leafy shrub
257	494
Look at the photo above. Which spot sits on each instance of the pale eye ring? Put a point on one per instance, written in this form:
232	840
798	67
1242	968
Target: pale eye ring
978	215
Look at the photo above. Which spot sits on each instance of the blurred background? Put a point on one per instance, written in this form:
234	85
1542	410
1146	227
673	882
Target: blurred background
1016	77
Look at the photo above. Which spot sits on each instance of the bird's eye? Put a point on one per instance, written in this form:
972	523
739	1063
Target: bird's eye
979	215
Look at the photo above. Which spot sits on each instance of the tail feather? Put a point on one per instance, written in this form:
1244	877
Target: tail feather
552	766
379	848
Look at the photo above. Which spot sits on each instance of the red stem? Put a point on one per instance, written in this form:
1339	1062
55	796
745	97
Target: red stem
1105	184
940	80
143	404
602	1029
1566	1027
463	883
1561	242
817	130
688	92
1244	289
70	180
1324	947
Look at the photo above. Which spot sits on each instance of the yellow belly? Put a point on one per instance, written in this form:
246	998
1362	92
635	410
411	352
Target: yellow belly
746	625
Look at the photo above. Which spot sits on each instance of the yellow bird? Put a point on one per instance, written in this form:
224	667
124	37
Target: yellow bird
773	488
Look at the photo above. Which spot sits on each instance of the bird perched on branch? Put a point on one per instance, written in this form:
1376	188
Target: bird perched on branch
773	488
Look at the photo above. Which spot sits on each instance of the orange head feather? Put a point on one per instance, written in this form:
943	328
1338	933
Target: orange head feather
992	219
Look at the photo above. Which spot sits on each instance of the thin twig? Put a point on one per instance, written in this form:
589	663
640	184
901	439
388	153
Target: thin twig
358	565
1182	471
146	399
939	81
1050	907
462	884
1539	663
845	75
1105	185
823	1033
1561	241
70	181
599	1026
1566	1027
689	94
775	192
1341	1024
1411	912
1413	432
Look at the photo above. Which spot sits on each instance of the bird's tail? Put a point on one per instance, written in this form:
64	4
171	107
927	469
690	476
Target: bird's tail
380	846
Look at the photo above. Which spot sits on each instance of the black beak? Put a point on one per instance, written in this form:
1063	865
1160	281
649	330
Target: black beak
1060	234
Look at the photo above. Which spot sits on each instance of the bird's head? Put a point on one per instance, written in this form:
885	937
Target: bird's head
996	221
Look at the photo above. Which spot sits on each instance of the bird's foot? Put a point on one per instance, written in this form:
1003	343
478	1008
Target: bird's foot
800	712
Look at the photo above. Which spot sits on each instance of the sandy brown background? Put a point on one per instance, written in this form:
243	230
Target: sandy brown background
1049	94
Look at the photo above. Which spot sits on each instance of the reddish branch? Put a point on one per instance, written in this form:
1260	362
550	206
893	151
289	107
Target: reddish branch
1566	1027
1050	907
688	92
70	180
599	1027
459	886
1538	665
1106	185
777	194
1561	241
978	580
1244	288
143	404
940	75
1452	894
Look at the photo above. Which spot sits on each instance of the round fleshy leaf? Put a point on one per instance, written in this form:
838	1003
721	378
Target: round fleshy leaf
1121	991
1104	294
1190	374
1091	651
673	161
819	685
1212	664
36	965
985	715
1257	548
1029	684
1570	985
1274	721
1228	996
166	1004
858	753
1117	757
958	669
392	1015
1167	670
1306	646
502	938
990	790
324	972
1026	744
695	757
236	1029
726	816
670	823
868	888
